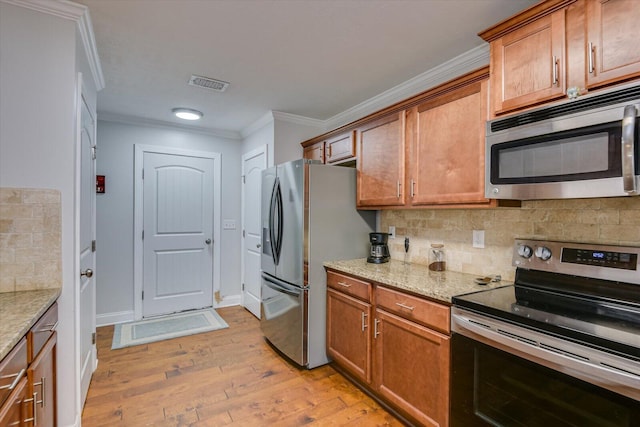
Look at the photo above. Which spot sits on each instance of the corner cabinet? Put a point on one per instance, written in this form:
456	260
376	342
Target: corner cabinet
401	354
381	147
314	152
337	149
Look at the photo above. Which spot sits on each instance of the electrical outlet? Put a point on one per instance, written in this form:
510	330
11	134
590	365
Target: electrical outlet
478	238
392	232
229	224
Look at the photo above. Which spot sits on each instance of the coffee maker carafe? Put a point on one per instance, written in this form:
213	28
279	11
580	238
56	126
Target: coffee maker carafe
379	251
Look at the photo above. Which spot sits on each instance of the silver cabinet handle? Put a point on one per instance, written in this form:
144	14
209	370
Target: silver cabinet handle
364	324
15	381
35	412
346	285
376	332
591	58
49	327
628	149
555	70
88	273
208	241
413	188
408	307
398	189
42	385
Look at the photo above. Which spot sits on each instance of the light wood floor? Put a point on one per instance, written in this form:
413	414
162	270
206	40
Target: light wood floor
230	377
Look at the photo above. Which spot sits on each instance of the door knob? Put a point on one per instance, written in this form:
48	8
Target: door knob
88	272
258	246
208	241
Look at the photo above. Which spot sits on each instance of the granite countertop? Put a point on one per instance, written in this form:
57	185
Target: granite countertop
19	311
416	278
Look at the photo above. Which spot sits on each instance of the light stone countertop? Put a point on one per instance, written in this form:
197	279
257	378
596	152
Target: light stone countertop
19	311
416	278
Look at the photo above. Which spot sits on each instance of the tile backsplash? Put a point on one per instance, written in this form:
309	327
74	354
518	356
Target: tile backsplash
30	239
606	221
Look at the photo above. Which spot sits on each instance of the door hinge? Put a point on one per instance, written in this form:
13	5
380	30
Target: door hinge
93	338
142	173
243	235
142	295
244	179
243	287
93	152
142	234
93	246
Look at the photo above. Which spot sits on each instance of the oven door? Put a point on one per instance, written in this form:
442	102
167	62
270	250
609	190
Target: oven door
493	386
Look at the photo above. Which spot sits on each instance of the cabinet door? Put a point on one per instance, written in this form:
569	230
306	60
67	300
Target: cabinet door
412	368
16	410
314	152
612	36
42	383
448	139
381	162
527	65
348	338
341	147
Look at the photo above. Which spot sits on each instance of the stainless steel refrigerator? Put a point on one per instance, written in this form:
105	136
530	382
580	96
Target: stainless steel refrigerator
308	217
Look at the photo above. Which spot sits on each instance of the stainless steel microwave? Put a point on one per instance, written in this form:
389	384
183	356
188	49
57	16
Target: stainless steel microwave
580	148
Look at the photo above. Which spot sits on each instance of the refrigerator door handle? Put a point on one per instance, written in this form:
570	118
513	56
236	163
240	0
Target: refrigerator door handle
281	287
272	207
280	221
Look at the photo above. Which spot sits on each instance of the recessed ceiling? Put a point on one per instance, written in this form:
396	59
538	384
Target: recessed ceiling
313	58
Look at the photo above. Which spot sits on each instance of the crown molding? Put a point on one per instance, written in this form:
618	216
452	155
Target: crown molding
299	120
140	121
461	64
257	125
74	12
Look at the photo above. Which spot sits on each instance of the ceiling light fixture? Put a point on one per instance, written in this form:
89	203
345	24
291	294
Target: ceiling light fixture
187	113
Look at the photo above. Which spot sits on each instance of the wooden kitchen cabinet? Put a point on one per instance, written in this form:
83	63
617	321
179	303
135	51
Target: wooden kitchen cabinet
412	368
527	64
314	152
42	383
401	354
16	409
447	138
340	148
348	337
380	151
612	36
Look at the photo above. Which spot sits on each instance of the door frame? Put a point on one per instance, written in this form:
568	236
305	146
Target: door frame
246	156
138	218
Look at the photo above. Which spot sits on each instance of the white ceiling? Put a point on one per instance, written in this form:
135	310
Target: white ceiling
312	58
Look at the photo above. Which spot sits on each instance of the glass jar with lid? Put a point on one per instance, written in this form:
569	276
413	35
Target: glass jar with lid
437	257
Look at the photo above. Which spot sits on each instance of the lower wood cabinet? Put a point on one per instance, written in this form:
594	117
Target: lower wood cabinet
15	411
42	384
394	344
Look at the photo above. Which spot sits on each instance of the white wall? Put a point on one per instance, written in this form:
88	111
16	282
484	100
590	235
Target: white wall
37	147
288	135
115	281
260	137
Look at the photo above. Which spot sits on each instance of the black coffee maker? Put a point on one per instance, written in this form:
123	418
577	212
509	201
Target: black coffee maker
379	251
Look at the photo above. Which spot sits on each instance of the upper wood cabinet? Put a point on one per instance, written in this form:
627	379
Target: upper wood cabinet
380	149
447	139
314	152
526	64
341	147
537	55
612	37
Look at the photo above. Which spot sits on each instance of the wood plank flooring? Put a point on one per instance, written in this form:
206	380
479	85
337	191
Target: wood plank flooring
229	377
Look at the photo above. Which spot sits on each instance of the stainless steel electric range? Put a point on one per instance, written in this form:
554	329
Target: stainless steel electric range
560	347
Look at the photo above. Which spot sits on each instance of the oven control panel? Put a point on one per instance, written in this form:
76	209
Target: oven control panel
609	262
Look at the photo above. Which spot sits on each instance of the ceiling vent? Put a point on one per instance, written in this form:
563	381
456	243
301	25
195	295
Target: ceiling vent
208	83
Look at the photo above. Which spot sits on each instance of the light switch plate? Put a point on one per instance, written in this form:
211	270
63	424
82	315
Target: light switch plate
478	238
392	232
229	224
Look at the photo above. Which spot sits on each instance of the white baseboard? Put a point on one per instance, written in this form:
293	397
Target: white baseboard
228	301
113	318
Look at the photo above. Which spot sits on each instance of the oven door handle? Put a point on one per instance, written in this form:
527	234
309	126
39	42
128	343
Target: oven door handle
602	369
629	150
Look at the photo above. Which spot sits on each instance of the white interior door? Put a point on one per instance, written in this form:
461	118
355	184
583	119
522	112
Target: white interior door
252	165
87	291
177	233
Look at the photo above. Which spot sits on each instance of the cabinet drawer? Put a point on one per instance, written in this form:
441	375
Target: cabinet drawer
349	285
12	368
428	313
42	331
